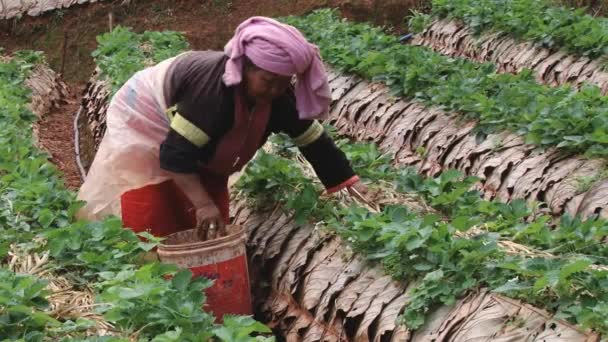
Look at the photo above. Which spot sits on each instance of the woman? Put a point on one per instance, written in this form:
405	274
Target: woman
178	130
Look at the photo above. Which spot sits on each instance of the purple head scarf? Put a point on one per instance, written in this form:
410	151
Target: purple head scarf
283	50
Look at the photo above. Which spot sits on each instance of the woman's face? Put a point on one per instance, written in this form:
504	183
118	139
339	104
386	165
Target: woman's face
264	86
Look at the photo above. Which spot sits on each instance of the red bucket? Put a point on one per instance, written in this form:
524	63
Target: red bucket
223	260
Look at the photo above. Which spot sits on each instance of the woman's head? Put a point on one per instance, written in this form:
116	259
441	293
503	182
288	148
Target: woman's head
276	52
261	85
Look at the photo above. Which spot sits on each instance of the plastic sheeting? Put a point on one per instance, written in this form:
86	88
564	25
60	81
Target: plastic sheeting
128	156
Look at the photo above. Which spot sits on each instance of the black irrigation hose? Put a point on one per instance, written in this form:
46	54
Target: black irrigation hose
81	169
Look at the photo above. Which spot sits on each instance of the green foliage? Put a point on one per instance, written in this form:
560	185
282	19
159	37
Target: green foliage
575	121
122	52
142	300
426	247
536	20
94	248
419	21
37	215
239	329
367	159
22	304
282	182
27	181
33	199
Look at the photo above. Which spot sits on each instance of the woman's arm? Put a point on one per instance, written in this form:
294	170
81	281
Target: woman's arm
179	157
329	162
191	88
190	184
209	220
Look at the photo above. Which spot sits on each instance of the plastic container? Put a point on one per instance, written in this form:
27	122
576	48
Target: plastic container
224	260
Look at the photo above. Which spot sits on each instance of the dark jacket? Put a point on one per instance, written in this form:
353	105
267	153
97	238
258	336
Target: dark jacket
204	112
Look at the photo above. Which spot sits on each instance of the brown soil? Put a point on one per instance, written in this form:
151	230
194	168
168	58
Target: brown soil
68	36
56	135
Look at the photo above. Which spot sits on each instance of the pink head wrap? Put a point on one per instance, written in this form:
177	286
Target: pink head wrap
283	50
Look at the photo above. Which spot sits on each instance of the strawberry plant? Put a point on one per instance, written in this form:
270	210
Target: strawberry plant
238	329
430	246
540	21
574	121
122	52
37	218
22	305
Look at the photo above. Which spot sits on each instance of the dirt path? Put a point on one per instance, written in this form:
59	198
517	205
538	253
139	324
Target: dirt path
56	135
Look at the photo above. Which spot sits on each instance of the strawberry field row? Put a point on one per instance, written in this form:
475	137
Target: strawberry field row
546	116
453	38
458	246
540	21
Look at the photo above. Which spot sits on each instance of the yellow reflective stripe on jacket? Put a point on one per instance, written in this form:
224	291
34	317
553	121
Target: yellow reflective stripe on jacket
189	131
310	135
170	112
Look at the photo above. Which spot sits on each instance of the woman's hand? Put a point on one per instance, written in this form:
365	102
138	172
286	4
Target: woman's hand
209	223
358	190
363	194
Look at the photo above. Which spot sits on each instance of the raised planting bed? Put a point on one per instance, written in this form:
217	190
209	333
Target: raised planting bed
414	237
415	252
432	140
309	287
540	21
573	121
453	38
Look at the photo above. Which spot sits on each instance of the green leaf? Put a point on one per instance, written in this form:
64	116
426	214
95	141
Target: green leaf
128	293
43	319
147	246
463	223
181	280
169	336
574	267
46	217
434	276
114	315
512	286
550	279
